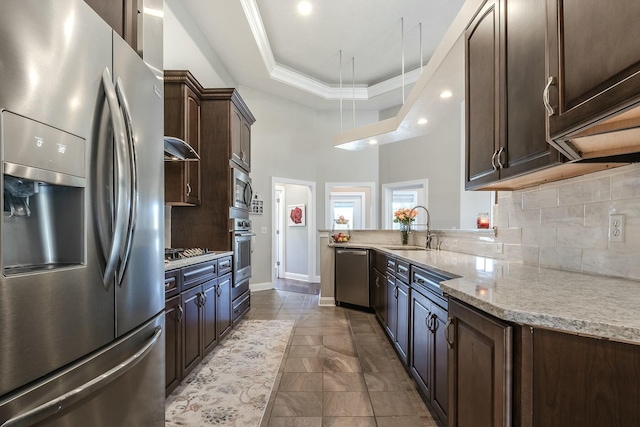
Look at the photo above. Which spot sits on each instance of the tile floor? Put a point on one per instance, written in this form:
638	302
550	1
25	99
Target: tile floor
339	369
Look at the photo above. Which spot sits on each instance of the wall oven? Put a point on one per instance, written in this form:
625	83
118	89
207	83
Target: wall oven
242	193
242	248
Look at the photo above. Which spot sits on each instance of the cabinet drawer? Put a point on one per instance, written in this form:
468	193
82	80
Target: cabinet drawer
241	305
171	283
402	270
198	273
224	265
428	282
391	265
379	261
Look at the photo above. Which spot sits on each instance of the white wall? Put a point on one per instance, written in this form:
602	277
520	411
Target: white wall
296	238
436	157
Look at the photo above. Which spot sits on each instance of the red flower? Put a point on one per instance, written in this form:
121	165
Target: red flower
296	215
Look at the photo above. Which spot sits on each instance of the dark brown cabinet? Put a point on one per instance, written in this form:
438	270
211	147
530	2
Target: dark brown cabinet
198	315
480	368
505	128
583	381
121	15
380	296
173	343
240	139
593	52
391	326
402	322
397	306
182	119
225	128
428	362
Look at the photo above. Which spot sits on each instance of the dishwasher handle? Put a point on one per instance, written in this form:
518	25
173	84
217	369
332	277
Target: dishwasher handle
351	252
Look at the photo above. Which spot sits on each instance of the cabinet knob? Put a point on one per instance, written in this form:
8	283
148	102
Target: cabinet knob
545	96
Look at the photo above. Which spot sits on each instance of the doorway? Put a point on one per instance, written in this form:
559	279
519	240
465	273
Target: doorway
294	239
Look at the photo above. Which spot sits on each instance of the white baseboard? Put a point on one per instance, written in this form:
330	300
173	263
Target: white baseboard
255	287
297	276
316	279
326	302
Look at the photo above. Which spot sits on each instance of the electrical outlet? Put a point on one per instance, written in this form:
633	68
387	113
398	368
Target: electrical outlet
497	248
454	243
616	228
263	230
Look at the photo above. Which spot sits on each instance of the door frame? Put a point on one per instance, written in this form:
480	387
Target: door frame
311	220
387	222
373	203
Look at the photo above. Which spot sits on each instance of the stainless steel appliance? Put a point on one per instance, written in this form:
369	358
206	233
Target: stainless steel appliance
352	277
81	298
242	195
242	248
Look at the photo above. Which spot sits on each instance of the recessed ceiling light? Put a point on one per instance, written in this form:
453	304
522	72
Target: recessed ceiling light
373	142
304	8
422	121
446	94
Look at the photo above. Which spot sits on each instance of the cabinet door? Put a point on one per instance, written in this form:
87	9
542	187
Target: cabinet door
480	362
236	135
402	326
482	97
209	313
594	55
523	49
121	15
392	308
379	295
421	341
245	144
192	137
191	329
224	312
439	363
173	343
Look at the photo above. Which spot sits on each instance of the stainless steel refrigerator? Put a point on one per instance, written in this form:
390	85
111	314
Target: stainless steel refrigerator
81	289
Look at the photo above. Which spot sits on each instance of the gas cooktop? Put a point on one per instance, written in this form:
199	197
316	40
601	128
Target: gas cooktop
171	254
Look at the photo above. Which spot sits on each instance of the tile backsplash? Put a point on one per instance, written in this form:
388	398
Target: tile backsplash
565	225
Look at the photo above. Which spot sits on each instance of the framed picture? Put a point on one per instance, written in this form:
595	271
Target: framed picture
297	215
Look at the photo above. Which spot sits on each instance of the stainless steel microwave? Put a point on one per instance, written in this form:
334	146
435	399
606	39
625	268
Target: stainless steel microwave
242	194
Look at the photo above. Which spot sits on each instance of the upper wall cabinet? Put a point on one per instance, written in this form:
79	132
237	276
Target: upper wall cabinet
241	138
505	69
121	15
593	75
182	120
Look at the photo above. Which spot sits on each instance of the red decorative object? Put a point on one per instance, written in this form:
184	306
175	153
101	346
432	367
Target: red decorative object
296	215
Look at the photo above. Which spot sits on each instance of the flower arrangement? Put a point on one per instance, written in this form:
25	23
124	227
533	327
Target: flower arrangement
404	217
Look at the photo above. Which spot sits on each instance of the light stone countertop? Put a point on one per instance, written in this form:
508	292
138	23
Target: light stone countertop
184	262
579	303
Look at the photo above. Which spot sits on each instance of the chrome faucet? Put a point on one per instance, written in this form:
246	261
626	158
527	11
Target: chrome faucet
429	235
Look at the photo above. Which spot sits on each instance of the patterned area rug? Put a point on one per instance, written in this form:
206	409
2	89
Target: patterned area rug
231	386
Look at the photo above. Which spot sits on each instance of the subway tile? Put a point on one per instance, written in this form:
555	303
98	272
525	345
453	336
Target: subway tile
625	185
540	199
509	235
612	263
565	258
522	253
539	236
594	190
510	202
564	216
524	219
587	238
596	215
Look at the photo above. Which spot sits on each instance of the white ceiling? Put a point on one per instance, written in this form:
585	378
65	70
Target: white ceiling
267	45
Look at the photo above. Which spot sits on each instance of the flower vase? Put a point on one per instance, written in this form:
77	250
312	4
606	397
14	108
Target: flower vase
405	237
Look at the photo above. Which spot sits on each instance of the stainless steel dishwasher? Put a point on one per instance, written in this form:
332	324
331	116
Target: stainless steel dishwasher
352	276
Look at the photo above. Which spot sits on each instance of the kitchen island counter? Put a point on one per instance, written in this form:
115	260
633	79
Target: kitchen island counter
591	305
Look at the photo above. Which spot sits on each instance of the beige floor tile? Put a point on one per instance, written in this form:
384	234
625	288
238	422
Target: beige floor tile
386	381
304	364
341	364
348	422
305	351
301	381
346	404
391	403
406	421
295	422
343	381
297	404
306	340
309	331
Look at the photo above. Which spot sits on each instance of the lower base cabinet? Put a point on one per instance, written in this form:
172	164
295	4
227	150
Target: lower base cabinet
428	361
196	320
480	368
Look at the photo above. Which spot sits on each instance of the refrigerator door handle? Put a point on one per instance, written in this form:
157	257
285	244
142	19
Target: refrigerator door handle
121	214
53	406
132	174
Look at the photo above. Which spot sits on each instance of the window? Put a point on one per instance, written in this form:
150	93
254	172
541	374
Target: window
404	195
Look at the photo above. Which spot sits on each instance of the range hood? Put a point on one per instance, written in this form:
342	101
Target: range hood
177	149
